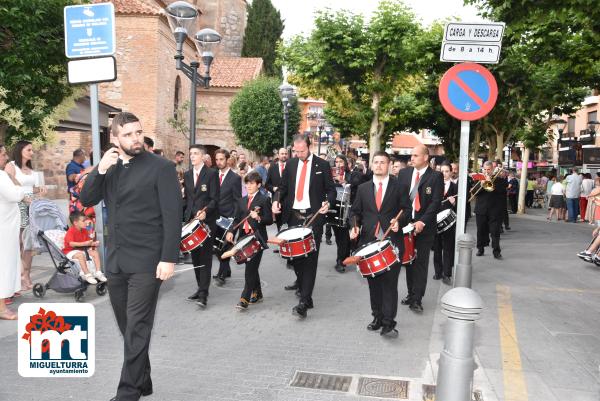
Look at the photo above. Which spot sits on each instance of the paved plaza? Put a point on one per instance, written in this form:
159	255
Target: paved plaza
537	340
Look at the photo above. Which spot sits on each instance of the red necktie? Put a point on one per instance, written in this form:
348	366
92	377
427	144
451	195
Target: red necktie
417	200
300	189
378	199
247	228
221	179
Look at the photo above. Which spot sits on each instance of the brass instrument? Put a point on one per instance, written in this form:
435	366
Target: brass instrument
486	185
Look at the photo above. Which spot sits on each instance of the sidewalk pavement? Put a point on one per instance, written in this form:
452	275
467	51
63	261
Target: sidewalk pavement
537	340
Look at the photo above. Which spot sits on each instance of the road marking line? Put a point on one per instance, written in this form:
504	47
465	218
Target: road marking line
515	388
560	289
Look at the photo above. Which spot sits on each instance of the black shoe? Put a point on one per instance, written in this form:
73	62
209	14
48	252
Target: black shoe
340	268
437	277
275	250
228	274
219	280
374	325
497	255
406	300
507	227
193	298
479	252
310	304
300	310
201	302
328	241
416	307
289	265
146	391
242	305
291	287
389	332
447	280
255	297
114	399
298	293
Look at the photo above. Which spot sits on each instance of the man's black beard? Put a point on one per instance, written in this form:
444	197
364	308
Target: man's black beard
134	152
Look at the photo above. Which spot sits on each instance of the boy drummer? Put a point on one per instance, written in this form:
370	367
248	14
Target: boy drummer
258	206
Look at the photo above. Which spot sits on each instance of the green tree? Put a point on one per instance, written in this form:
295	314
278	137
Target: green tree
367	63
263	31
257	118
33	73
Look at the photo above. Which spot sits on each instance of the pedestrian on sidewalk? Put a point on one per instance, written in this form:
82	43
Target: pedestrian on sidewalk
587	184
557	200
142	194
11	193
572	193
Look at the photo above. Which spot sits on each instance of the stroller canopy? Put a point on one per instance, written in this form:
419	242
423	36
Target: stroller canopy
44	215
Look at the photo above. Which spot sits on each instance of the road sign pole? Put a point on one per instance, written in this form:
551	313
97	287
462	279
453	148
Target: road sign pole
96	149
463	166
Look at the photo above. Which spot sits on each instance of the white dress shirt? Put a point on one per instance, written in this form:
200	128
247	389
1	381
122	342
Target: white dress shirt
305	202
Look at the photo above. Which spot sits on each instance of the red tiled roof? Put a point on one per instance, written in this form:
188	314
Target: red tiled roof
134	7
405	141
233	72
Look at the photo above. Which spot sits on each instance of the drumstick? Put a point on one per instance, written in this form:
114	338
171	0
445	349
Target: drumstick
351	260
395	219
355	225
256	209
312	219
275	241
451	196
196	218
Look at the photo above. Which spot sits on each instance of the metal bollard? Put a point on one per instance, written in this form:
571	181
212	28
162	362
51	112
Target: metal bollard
462	306
463	270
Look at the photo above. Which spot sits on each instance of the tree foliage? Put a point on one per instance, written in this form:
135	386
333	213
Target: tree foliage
257	118
33	72
263	32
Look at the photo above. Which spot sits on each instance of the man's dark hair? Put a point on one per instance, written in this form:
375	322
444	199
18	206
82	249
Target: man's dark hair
73	217
18	153
158	152
179	152
253	176
223	152
264	159
381	153
242	166
201	148
121	119
149	142
301	138
78	153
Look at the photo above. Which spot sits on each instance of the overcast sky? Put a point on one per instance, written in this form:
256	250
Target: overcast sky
298	15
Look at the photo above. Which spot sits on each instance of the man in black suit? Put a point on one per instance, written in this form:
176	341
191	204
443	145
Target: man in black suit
426	190
375	208
489	211
274	175
141	192
306	188
230	192
201	186
443	247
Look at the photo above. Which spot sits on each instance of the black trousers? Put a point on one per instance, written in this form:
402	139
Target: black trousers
505	218
327	231
278	221
342	241
416	274
512	200
202	258
224	266
252	278
383	290
306	268
133	297
488	225
529	198
443	252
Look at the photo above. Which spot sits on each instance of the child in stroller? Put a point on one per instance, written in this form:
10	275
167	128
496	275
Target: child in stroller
80	247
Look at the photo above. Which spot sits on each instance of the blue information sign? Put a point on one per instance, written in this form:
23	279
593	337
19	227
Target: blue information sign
90	30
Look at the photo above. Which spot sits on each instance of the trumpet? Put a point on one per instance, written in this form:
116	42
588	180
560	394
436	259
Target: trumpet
486	185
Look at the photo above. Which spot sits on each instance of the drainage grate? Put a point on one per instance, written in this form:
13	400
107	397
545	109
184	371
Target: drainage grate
321	381
383	388
429	393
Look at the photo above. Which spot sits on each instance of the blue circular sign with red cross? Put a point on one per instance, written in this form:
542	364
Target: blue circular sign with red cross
468	91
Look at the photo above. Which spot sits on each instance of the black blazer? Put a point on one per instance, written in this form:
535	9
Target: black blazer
144	208
364	210
452	190
273	177
204	194
491	203
320	186
230	193
265	213
431	190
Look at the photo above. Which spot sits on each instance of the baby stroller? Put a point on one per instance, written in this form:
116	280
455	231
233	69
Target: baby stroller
538	199
47	228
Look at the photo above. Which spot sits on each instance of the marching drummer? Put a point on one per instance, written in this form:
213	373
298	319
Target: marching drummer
378	201
443	245
257	206
340	230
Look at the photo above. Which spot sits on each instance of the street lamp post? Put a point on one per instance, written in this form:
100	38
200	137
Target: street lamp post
319	132
560	126
182	16
287	94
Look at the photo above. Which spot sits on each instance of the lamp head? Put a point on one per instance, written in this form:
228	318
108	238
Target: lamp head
182	17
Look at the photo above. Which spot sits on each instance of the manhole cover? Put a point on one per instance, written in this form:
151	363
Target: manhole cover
384	388
321	381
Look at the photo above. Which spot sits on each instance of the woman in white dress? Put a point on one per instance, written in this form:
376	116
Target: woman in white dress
10	222
21	169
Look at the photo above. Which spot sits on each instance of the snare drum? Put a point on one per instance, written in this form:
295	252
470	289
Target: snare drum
246	248
376	257
193	235
298	242
445	220
338	213
410	252
223	224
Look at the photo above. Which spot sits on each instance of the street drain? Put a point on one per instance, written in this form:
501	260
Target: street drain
321	381
383	388
429	393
